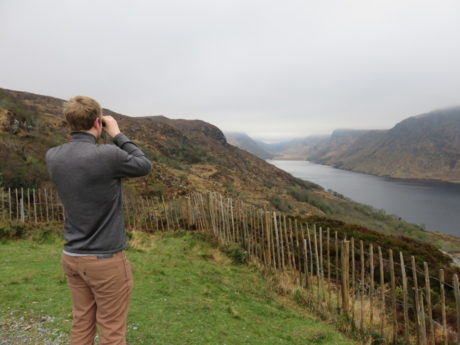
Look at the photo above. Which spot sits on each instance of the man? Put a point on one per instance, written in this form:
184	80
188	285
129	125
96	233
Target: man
87	177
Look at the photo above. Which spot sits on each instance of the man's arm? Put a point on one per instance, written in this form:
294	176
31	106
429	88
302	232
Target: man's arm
128	160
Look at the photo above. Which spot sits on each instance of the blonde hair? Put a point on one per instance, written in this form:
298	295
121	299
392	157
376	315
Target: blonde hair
81	111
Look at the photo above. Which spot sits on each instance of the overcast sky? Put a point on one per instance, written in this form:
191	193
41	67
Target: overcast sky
273	69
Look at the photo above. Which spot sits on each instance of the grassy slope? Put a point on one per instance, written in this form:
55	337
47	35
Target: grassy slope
186	292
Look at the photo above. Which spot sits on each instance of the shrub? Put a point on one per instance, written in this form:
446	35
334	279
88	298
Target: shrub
299	194
236	253
13	230
280	204
308	185
158	189
38	233
45	234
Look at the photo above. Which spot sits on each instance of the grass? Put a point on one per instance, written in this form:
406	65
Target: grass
186	291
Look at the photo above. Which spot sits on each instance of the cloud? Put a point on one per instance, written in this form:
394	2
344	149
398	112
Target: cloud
299	67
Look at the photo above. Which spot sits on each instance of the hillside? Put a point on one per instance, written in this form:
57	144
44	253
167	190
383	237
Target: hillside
187	155
425	146
421	147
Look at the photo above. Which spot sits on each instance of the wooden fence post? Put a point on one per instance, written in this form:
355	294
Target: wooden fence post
189	212
298	251
371	285
166	213
345	275
310	249
353	288
263	237
233	222
257	231
268	237
382	293
144	218
428	301
291	243
59	206
3	203
9	202
337	271
361	251
282	242
286	242
40	203
272	241
443	306
405	306
278	258
29	212
321	262
307	281
35	205
304	245
52	204
393	295
154	219
250	230
318	272
46	205
176	203
22	210
457	302
329	283
222	223
22	206
421	335
253	232
17	203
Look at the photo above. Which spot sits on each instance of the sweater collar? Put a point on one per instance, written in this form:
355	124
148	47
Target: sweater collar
83	136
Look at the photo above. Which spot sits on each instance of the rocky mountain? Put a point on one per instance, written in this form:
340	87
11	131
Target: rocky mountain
245	142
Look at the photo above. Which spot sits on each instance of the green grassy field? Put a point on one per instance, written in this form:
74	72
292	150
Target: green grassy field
185	292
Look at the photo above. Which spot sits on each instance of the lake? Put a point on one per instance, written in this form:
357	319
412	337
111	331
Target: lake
434	205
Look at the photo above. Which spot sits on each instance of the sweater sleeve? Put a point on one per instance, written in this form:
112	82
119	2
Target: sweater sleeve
129	159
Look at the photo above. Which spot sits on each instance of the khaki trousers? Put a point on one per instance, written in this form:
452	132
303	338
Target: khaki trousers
100	290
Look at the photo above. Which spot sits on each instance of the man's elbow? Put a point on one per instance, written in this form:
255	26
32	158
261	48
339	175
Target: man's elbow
146	167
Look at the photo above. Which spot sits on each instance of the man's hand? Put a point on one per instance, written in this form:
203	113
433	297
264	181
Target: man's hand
111	125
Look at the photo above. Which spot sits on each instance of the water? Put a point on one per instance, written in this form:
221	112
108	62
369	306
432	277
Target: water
433	205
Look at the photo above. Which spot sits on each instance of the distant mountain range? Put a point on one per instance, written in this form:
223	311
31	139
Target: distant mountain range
242	140
425	146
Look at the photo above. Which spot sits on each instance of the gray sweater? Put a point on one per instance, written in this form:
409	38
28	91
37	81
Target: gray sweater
87	177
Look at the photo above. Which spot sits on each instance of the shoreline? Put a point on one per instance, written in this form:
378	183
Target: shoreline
401	179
